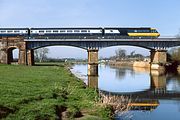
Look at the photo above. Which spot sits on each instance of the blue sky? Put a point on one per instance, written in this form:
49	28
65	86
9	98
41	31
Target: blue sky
161	14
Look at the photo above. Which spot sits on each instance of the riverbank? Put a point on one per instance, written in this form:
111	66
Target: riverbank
140	64
46	92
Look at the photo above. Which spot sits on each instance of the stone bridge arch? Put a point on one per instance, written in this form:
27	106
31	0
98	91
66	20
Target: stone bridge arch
7	44
10	54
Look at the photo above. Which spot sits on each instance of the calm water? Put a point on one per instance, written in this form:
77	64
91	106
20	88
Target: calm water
158	94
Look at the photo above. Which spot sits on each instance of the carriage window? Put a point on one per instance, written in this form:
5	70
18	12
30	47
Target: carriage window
41	31
76	31
9	31
131	31
3	31
146	31
154	31
140	31
69	31
55	31
16	31
62	31
83	30
48	31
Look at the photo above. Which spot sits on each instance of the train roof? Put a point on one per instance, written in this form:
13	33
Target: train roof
139	28
14	28
78	28
66	28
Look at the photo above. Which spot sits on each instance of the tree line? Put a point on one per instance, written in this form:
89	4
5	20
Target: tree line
121	54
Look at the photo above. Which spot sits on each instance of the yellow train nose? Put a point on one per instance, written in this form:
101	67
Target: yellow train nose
158	34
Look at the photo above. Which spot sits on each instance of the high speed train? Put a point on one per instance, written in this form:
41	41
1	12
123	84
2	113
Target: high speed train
114	32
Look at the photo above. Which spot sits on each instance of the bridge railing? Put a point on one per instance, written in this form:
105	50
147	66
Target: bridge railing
103	39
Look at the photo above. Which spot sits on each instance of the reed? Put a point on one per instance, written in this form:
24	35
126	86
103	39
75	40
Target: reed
120	105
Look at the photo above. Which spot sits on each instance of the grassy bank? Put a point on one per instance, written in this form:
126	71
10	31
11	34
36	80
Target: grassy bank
46	92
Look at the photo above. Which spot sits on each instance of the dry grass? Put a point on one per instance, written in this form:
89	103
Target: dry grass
120	104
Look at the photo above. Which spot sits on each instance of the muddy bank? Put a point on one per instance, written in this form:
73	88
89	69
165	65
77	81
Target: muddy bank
140	64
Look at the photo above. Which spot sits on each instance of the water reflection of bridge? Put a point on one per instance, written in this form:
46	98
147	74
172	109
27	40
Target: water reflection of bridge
147	99
157	88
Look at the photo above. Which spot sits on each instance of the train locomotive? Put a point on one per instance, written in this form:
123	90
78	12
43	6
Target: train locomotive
114	32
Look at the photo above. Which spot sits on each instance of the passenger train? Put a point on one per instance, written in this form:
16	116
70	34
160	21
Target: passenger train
114	32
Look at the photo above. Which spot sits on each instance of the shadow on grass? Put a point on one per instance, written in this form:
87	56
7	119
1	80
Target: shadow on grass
4	111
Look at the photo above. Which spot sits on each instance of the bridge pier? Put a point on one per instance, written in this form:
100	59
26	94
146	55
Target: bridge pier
158	59
92	62
22	57
93	81
30	57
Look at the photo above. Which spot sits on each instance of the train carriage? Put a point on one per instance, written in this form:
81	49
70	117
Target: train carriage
64	32
13	32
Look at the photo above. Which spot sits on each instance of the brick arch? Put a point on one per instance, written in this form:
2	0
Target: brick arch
7	44
10	54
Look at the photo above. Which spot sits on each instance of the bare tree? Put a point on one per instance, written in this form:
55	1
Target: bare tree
132	53
41	54
120	53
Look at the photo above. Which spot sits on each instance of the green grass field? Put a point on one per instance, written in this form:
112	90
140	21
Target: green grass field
46	92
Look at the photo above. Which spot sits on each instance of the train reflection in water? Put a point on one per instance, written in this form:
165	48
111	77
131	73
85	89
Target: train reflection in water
132	103
147	99
154	93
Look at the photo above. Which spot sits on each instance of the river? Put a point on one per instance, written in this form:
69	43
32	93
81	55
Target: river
156	95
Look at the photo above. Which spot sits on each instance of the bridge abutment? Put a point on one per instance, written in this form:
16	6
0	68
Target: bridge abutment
158	59
92	62
7	44
3	56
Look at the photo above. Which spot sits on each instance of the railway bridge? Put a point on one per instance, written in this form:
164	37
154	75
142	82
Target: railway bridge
158	48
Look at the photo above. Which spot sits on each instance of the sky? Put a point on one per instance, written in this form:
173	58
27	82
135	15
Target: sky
163	15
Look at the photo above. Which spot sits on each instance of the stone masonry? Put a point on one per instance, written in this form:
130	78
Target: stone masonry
93	62
6	47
